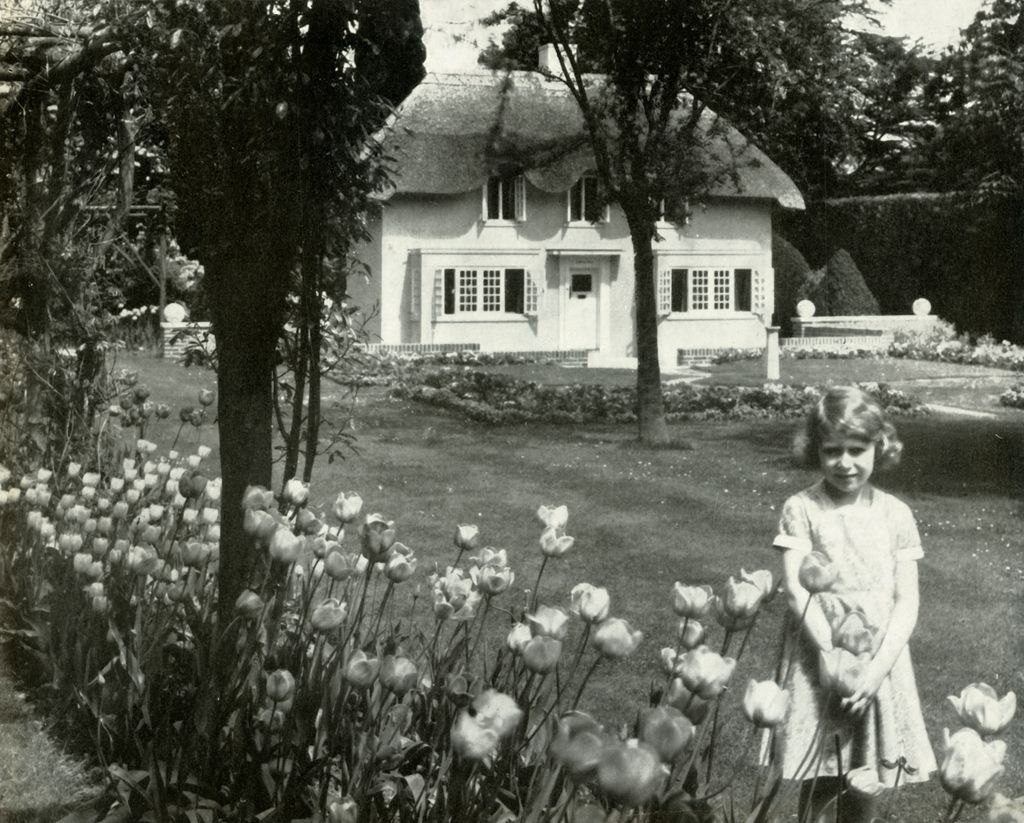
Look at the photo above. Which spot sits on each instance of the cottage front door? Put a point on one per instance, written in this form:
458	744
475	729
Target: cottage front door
581	307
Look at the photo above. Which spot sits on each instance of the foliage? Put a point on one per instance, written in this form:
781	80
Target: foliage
1013	397
942	343
961	255
503	400
840	289
791	272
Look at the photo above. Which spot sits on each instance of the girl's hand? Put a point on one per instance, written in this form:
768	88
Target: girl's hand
858	702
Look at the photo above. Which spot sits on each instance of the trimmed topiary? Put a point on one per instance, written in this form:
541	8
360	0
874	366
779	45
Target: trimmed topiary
791	270
841	290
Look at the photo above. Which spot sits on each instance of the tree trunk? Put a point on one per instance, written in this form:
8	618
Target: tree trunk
650	405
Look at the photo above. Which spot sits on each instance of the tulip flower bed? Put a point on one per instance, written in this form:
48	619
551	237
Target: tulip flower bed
503	399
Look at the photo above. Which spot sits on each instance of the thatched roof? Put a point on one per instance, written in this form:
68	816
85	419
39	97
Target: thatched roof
456	130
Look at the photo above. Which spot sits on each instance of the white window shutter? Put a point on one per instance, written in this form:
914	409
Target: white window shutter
530	297
519	195
414	291
665	292
438	293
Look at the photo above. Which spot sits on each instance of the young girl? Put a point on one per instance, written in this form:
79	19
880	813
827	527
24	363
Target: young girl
872	546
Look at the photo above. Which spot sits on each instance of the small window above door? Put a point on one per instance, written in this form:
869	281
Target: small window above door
581	284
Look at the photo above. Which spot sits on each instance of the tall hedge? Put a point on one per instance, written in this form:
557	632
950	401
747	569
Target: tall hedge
967	258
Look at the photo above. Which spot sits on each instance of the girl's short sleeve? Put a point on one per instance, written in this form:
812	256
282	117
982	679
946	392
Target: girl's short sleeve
906	539
794	527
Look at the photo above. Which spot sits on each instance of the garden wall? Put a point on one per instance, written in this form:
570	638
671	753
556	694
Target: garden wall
966	258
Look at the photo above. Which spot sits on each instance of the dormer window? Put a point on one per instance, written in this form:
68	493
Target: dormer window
585	204
505	198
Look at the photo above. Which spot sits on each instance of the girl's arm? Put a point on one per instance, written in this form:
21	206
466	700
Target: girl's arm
897	634
802	603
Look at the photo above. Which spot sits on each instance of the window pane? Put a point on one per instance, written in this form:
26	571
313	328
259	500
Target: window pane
679	290
508	198
493	198
515	290
699	298
576	201
723	289
581	284
449	291
467	290
744	285
492	290
591	200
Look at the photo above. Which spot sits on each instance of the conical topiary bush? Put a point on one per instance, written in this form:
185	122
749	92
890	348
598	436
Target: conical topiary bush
841	289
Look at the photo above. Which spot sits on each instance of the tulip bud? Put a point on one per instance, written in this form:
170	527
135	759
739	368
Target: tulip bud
361	670
343	811
549	621
377	536
615	638
296	492
666	730
347	507
817	573
541	654
578	745
555	544
205	397
249	604
467	538
493	580
339	566
74	469
853	633
630	775
979	707
863	782
765	703
280	685
840	671
328	615
398	674
691	601
518	637
705	672
400	566
259	524
592	603
970	766
306	522
472	740
553	517
690	633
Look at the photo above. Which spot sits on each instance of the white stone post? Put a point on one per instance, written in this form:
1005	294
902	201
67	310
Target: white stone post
771	352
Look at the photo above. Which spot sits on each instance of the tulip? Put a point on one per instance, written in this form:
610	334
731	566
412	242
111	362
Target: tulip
205	397
695	708
553	517
490	556
578	745
863	781
81	563
340	566
1006	810
400	566
840	671
549	621
306	522
343	811
592	603
705	672
99	547
328	615
362	670
257	497
462	691
249	604
347	507
666	730
630	775
497	711
398	674
554	544
296	492
377	536
970	766
492	580
467	537
691	602
817	573
44	475
690	633
280	685
541	654
765	703
472	740
285	546
454	595
980	708
616	639
854	633
518	637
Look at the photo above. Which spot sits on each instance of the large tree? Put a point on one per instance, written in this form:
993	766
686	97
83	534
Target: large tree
266	110
650	80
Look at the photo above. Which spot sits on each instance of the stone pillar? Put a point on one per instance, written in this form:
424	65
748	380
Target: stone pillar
771	352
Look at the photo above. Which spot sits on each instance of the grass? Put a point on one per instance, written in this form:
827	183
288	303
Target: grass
697	513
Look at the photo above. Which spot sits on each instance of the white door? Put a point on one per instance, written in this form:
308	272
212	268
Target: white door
580	285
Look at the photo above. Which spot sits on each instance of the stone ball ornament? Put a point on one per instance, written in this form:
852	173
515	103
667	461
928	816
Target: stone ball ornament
805	309
921	307
175	313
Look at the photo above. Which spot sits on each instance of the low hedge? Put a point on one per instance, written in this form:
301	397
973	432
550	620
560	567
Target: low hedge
501	399
1013	397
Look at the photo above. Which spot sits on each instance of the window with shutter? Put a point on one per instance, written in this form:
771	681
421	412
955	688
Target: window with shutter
414	291
530	299
680	290
449	291
664	292
505	198
743	286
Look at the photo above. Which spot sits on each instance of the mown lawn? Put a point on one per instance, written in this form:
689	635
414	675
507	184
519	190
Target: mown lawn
697	513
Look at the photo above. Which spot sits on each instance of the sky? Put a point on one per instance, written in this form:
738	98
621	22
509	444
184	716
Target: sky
454	37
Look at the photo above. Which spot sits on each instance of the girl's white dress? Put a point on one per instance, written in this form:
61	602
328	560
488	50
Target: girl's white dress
865	541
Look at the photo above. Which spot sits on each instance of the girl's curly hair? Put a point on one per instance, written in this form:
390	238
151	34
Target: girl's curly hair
851	412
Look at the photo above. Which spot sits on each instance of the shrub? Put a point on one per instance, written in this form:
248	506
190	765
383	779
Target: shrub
1013	397
791	271
840	289
501	399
